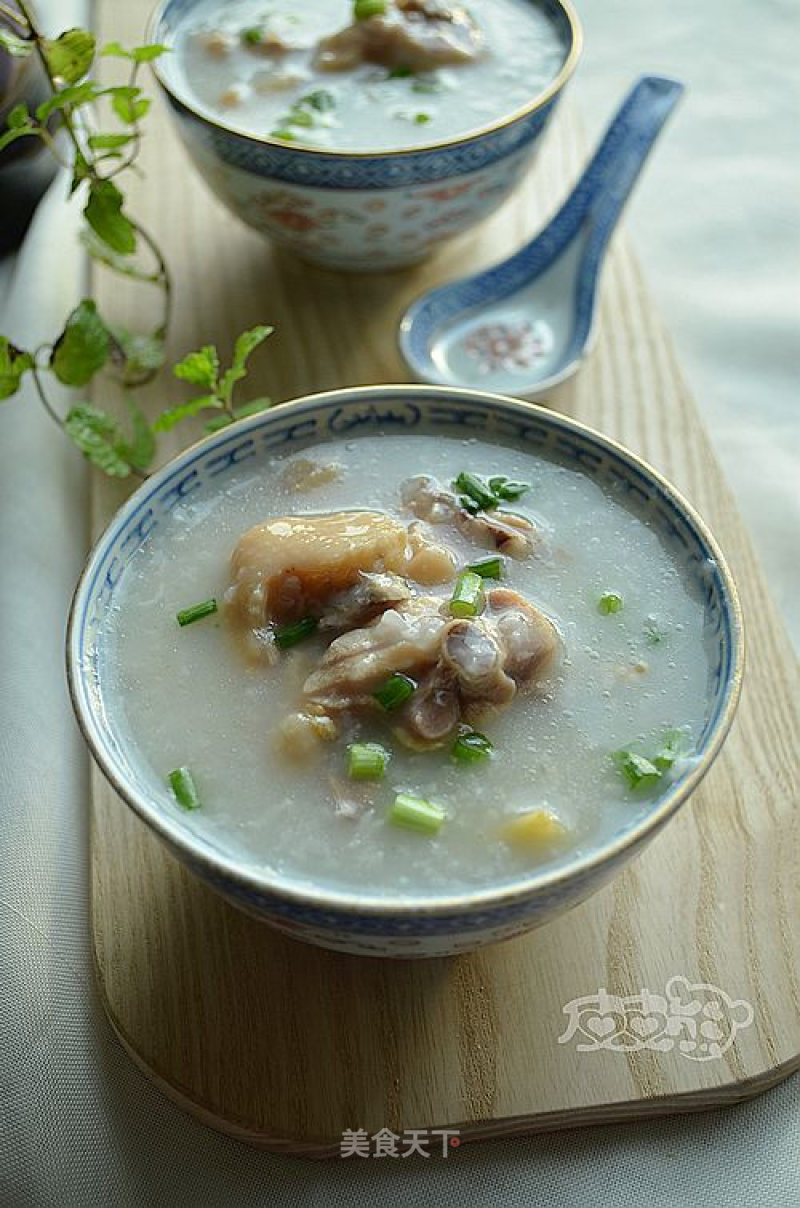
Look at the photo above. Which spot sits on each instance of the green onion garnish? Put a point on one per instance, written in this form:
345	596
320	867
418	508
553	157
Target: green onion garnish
286	135
196	613
654	634
366	760
364	9
639	772
428	86
183	786
487	568
471	747
299	117
394	691
467	598
401	72
415	813
422	118
507	490
290	635
252	36
609	602
673	746
475	489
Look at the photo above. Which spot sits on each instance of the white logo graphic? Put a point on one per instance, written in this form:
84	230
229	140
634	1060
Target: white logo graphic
696	1017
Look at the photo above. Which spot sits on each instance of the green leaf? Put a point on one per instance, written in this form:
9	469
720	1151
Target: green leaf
13	363
71	55
129	109
142	355
252	408
200	368
168	419
99	437
19	118
139	54
104	214
72	98
245	345
99	250
142	445
18	48
82	348
11	136
80	171
639	772
146	54
108	142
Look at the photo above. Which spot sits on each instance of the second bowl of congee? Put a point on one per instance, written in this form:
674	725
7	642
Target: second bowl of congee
405	669
363	132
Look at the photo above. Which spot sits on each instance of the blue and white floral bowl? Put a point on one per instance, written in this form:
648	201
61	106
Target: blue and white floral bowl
359	210
354	922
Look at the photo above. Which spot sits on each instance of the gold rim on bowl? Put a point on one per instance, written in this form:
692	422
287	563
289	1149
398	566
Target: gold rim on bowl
353	903
538	102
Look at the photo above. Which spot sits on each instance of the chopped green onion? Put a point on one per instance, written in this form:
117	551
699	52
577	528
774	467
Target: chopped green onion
299	117
507	490
320	99
471	747
183	786
289	635
609	602
639	772
188	616
654	634
415	813
467	598
401	72
366	760
395	691
364	9
487	568
422	118
252	36
475	489
286	135
673	746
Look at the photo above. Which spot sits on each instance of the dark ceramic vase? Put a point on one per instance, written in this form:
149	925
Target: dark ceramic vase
26	167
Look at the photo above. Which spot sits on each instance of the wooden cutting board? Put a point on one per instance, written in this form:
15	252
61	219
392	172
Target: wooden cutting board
285	1045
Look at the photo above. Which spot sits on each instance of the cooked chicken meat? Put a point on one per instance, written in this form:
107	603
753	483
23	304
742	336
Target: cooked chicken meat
465	668
339	563
501	530
417	35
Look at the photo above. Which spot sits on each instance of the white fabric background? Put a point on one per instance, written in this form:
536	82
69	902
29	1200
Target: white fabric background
717	226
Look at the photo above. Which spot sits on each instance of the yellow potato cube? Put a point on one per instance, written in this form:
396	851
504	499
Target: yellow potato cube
535	830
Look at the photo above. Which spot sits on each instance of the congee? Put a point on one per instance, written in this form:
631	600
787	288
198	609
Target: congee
405	665
370	75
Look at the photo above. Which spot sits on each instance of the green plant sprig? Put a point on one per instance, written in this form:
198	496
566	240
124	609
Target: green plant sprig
89	344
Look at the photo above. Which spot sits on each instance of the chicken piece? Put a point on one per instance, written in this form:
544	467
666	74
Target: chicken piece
433	711
289	567
428	563
411	34
299	735
302	474
530	641
216	43
466	668
371	595
404	639
507	532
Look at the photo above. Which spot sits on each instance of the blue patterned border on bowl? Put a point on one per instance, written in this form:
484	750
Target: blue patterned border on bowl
389	409
328	169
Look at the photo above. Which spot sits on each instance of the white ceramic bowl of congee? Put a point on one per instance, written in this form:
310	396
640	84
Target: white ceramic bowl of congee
362	134
405	670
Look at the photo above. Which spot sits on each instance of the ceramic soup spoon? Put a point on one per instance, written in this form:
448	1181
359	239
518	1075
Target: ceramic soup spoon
525	324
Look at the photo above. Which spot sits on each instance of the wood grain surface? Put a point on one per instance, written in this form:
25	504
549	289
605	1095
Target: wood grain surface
285	1045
